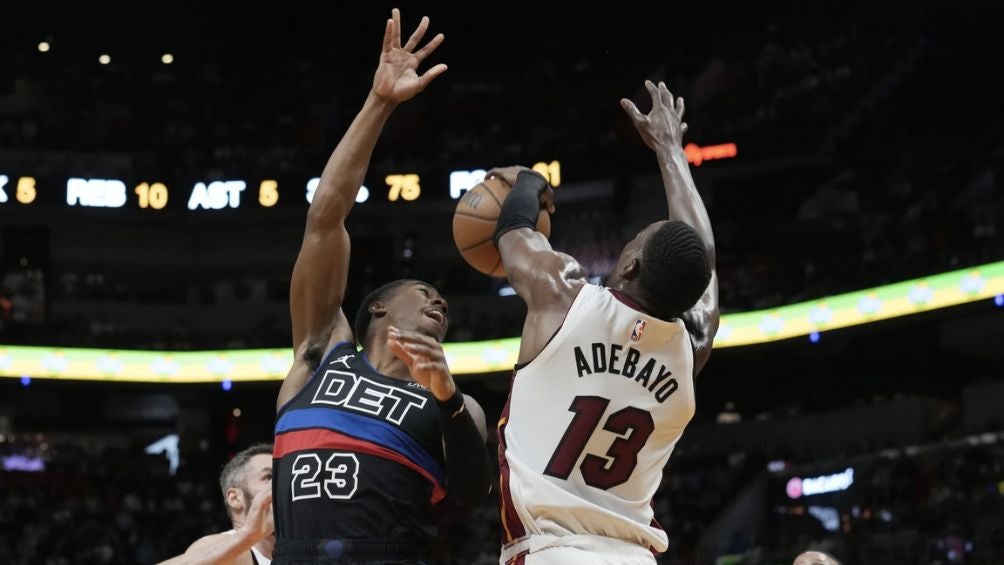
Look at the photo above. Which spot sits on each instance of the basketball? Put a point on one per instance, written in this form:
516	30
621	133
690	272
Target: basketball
474	225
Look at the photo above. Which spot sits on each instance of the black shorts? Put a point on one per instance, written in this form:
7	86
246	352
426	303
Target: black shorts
347	552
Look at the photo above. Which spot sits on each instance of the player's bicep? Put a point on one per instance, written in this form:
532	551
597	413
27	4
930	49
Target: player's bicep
541	276
318	287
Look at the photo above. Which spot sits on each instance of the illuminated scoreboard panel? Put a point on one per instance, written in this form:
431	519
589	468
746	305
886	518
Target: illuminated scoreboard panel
224	194
22	188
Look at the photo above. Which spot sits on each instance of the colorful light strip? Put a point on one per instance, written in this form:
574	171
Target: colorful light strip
747	328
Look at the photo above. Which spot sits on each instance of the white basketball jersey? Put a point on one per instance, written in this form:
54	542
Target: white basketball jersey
592	421
256	555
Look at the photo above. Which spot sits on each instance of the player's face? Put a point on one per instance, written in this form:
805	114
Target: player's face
417	306
631	252
258	475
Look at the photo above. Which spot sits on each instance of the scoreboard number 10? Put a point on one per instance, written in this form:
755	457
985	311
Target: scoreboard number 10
152	195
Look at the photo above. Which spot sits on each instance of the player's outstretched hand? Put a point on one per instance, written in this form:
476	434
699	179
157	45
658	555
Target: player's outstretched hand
664	125
426	361
397	78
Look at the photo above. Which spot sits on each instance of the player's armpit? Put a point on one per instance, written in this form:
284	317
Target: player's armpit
702	322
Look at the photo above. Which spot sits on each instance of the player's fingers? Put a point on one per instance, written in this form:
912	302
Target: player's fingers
684	127
437	366
418	34
388	36
679	106
547	199
396	16
416	349
632	110
653	91
411	336
432	73
430	47
665	95
398	349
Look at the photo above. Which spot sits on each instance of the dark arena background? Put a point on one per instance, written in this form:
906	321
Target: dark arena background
156	162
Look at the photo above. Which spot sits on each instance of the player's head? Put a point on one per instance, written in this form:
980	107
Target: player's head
407	304
815	558
667	265
244	476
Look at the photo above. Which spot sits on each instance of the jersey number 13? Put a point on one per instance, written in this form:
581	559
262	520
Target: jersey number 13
622	456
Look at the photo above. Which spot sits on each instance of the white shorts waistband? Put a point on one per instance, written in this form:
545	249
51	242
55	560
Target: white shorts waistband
585	542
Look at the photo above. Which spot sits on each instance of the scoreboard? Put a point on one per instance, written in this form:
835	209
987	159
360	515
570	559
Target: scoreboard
25	188
22	188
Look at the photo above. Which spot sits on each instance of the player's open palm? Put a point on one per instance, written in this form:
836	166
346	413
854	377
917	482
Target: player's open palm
426	361
397	78
663	126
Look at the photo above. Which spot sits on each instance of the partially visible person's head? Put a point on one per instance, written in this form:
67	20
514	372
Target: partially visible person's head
244	476
407	304
815	558
667	265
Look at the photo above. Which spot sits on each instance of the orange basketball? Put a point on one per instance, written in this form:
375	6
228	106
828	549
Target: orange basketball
474	225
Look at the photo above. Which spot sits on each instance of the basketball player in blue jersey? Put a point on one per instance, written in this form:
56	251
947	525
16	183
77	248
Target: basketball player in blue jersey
366	441
604	386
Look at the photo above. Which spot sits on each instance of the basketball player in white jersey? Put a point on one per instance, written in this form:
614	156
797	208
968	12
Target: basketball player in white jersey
605	382
246	482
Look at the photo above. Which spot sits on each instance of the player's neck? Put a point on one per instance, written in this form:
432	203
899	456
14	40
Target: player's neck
382	359
630	294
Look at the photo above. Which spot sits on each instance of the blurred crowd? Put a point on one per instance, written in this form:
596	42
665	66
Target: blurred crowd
115	505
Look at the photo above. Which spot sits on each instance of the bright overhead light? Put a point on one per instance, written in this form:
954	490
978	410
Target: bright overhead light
167	58
44	46
104	59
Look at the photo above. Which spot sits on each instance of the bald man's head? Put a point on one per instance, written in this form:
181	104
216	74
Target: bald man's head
815	558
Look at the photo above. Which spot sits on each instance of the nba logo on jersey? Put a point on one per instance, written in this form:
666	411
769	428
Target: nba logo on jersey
639	327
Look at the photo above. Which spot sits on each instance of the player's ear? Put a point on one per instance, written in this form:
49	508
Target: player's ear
377	309
631	269
235	500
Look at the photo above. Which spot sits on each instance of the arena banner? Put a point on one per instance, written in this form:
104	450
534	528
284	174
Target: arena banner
747	328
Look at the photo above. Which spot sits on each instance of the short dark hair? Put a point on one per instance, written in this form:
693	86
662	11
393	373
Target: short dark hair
363	315
233	472
675	270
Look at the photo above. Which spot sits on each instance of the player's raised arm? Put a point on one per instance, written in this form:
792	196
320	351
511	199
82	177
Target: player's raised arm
321	270
546	280
662	129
